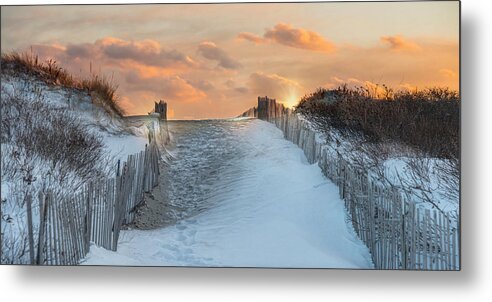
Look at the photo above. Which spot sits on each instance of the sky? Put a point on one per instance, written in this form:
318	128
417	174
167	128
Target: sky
214	60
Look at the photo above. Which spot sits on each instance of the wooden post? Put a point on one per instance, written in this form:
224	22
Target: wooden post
42	228
404	237
30	228
88	215
49	229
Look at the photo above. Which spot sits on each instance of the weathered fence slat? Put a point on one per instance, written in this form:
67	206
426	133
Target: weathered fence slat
42	229
30	229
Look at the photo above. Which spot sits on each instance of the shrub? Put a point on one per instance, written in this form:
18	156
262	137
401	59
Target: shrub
428	120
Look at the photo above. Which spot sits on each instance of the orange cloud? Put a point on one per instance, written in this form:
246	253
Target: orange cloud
398	43
299	38
146	71
287	35
172	87
251	37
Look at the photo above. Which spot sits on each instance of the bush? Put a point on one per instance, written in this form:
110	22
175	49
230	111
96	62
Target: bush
428	120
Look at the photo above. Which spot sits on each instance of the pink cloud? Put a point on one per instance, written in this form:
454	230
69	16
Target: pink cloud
398	43
287	35
251	37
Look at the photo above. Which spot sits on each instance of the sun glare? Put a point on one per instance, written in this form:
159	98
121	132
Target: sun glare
291	101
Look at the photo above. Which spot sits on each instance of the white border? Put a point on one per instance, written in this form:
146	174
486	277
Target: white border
473	283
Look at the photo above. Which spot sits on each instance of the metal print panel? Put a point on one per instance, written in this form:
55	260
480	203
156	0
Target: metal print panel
274	135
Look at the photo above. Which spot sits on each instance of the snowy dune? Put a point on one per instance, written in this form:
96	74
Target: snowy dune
115	134
279	211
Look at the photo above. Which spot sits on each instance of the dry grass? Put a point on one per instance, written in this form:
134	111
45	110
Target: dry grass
428	120
101	88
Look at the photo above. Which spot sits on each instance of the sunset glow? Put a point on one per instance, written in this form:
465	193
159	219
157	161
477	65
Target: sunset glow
213	60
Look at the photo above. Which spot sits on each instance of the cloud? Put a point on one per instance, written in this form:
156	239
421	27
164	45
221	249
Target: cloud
230	83
398	43
210	51
285	34
171	87
242	90
49	51
273	85
202	84
232	86
115	51
148	52
251	37
84	50
448	73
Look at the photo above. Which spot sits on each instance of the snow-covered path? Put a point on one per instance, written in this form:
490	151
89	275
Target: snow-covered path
277	211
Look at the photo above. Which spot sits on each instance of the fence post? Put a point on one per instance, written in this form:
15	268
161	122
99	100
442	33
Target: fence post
29	227
88	216
403	237
42	228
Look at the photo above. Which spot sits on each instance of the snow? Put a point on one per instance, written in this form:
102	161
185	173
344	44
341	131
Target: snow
279	212
120	146
241	118
397	171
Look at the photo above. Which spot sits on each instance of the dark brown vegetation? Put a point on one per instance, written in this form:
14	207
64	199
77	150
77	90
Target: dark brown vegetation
102	89
428	120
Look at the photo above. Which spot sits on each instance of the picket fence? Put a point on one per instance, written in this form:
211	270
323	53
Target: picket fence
399	233
68	224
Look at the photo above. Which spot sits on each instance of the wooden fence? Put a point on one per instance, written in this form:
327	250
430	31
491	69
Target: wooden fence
68	224
398	233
